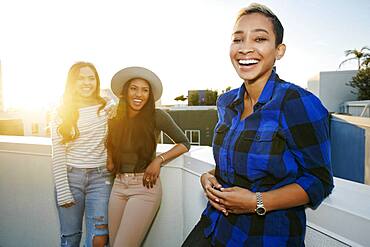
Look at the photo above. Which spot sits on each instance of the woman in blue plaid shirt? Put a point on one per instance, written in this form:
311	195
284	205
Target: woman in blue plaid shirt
271	147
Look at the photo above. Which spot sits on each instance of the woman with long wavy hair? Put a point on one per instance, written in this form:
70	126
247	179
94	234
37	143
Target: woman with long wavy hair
82	183
137	191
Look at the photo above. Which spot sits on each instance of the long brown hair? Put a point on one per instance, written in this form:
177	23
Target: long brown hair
68	110
138	131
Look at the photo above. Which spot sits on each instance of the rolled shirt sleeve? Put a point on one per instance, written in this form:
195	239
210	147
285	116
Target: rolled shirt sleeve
306	125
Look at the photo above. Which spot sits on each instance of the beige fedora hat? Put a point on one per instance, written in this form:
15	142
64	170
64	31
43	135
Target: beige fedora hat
126	74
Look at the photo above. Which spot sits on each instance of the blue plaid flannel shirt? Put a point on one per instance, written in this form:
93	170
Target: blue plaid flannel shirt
284	141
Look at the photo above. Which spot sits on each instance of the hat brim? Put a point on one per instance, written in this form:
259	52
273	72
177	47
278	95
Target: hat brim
126	74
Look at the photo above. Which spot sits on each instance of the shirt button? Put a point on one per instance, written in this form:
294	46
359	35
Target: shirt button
257	137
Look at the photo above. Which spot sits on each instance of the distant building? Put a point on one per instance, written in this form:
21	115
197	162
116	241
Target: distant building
359	108
197	122
12	127
9	125
198	95
331	88
202	97
27	123
1	90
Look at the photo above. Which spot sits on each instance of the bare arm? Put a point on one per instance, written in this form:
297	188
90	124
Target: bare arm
289	196
173	153
165	123
152	171
239	200
210	185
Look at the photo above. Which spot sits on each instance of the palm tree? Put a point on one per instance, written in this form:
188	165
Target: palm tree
366	61
357	54
180	98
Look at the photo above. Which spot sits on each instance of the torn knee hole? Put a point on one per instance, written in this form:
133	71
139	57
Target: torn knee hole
99	218
71	235
101	226
100	236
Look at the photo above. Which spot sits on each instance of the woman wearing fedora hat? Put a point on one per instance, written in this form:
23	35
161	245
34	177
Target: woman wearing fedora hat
132	135
82	182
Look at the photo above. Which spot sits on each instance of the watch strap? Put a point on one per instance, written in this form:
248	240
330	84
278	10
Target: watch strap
259	199
260	208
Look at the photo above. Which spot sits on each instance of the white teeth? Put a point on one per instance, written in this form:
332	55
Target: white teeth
248	61
138	100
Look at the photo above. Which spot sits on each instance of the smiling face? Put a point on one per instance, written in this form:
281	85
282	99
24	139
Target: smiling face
138	93
86	83
253	50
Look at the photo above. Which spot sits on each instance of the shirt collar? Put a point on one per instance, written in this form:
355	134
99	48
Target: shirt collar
268	89
265	96
239	98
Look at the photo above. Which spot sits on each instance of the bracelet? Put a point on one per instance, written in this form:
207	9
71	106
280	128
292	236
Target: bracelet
163	159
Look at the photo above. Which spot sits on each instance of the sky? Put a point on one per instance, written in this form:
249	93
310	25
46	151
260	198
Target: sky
186	43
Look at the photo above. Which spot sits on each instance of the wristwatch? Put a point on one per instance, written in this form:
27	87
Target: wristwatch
260	209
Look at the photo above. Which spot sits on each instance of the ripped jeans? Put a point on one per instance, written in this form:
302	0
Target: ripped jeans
90	188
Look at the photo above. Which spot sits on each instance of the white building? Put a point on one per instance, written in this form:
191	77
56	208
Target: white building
35	123
331	88
1	90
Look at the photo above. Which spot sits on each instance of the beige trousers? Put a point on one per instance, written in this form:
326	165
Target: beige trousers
132	208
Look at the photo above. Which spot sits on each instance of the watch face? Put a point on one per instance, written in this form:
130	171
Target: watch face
260	211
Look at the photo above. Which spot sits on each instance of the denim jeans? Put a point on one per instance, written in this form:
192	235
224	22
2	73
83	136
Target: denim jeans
90	188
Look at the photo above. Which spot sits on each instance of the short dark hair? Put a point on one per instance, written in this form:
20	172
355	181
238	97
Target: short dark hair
263	10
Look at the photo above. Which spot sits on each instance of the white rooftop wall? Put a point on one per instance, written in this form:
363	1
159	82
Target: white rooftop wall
28	216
